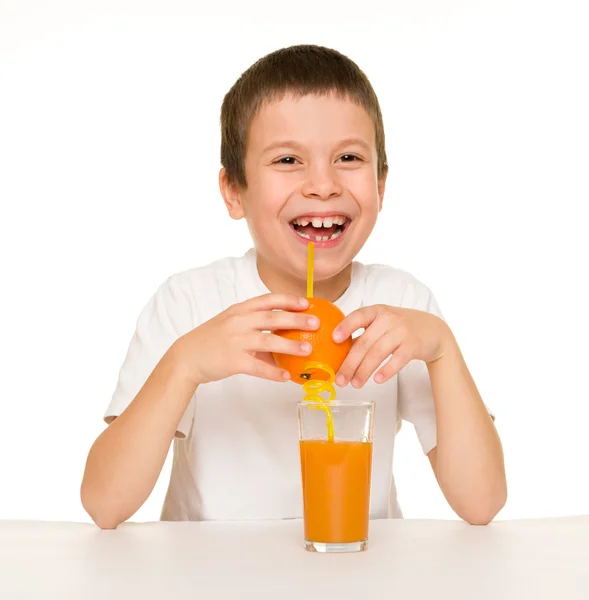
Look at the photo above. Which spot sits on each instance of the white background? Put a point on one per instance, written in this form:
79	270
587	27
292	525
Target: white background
109	155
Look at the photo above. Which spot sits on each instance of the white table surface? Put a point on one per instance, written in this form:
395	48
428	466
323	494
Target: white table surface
528	559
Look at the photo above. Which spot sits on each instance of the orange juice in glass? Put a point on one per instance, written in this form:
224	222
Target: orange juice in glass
336	474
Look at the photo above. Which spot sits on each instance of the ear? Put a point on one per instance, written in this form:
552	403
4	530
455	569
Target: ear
231	193
381	186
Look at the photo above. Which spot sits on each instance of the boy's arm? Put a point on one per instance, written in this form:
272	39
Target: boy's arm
441	400
468	459
125	461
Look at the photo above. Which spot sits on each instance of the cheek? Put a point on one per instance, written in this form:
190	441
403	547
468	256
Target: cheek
363	185
263	206
269	194
278	186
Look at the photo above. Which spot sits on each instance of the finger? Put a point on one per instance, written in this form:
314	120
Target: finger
270	342
398	361
267	357
259	368
273	320
275	302
359	350
379	352
359	319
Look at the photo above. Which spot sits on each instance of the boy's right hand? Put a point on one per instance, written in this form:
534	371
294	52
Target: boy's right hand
240	340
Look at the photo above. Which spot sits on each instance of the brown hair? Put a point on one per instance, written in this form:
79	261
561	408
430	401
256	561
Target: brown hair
301	70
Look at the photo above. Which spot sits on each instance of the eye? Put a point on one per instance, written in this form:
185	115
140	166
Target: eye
349	158
286	160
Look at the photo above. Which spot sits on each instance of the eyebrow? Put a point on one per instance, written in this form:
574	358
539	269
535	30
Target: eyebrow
293	144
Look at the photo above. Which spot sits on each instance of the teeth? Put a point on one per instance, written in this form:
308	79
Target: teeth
319	238
319	222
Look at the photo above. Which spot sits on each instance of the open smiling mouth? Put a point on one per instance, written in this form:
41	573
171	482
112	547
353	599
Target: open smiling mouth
320	229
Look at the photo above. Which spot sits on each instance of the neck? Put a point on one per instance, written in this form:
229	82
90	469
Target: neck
330	289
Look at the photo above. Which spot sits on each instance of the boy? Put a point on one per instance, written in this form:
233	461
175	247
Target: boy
303	158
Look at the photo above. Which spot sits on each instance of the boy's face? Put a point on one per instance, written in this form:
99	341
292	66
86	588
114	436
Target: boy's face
311	170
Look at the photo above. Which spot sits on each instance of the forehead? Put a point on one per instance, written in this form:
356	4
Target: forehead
310	120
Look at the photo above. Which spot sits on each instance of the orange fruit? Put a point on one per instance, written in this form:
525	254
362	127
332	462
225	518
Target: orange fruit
325	350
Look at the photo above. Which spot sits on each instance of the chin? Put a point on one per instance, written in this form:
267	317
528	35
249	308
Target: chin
324	272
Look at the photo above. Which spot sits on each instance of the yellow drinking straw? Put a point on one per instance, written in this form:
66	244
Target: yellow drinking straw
310	260
314	387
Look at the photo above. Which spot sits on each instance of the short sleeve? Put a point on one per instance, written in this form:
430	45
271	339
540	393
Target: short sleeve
415	398
167	316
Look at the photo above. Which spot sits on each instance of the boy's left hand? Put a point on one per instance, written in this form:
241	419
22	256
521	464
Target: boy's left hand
406	334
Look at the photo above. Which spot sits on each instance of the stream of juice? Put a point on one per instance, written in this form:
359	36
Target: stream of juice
313	388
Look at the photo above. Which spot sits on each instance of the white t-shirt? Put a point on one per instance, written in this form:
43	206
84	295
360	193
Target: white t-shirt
236	451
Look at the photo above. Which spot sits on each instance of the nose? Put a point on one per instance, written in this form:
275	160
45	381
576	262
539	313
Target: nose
322	183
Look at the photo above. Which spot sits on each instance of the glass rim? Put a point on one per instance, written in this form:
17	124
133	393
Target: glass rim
356	403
